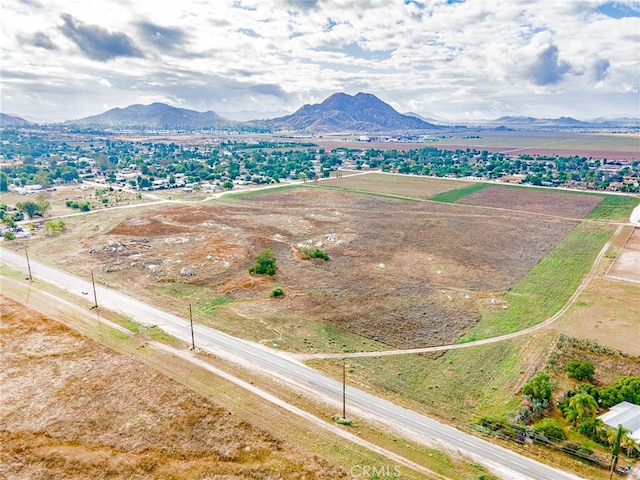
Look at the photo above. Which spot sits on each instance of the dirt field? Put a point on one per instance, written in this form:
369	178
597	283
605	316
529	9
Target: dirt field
400	185
549	202
64	416
402	273
627	264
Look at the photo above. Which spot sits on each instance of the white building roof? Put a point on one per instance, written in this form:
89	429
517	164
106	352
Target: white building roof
625	414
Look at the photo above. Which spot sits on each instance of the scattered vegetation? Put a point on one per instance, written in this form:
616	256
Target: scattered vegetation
83	206
307	253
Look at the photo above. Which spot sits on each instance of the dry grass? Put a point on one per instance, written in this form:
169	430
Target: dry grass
71	408
400	185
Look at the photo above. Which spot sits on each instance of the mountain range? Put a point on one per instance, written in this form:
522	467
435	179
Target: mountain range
339	113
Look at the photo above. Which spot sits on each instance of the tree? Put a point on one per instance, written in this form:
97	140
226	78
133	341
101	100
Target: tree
539	387
227	185
580	370
628	444
265	263
54	226
28	207
582	406
277	292
615	439
4	182
43	204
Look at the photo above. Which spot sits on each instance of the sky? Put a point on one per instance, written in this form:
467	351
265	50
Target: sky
455	60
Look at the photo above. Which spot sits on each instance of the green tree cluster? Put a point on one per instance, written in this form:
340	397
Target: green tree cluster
39	207
265	263
580	370
54	226
539	387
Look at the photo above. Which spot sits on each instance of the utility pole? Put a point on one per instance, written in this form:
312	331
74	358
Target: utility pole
95	296
344	389
28	264
193	342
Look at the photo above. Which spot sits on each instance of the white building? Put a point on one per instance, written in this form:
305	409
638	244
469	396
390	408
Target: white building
625	414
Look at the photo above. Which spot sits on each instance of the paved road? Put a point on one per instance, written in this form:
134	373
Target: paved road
502	462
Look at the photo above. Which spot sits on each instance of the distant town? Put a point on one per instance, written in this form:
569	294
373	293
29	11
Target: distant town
39	158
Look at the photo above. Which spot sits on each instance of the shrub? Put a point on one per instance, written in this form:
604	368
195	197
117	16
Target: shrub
277	292
54	226
551	429
539	387
265	263
580	370
317	253
9	235
313	253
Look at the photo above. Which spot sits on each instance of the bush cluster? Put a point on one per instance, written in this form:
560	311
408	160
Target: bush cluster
83	206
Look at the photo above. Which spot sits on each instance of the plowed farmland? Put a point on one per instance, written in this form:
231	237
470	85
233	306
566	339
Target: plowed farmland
550	202
403	273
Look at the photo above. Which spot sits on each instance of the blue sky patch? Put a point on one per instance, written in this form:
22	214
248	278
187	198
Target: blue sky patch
619	10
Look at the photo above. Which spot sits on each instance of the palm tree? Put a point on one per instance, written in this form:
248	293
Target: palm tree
582	406
615	439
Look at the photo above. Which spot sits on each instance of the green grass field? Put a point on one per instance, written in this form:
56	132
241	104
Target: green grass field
452	196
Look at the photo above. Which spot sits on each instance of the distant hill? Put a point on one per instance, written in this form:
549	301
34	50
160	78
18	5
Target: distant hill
340	112
7	120
156	115
531	121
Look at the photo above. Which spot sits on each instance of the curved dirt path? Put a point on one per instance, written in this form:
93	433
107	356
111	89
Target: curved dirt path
500	338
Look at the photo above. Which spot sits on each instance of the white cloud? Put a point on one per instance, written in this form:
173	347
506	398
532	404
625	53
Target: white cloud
66	58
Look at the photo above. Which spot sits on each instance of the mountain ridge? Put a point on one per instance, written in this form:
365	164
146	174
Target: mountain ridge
154	115
7	120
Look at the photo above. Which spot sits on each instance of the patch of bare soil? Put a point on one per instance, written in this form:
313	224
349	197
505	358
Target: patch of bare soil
70	408
627	264
549	202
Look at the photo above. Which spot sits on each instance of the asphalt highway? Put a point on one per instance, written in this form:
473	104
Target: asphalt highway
502	462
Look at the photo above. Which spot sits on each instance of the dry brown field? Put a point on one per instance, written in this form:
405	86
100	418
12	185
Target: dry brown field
71	408
393	184
401	273
548	202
